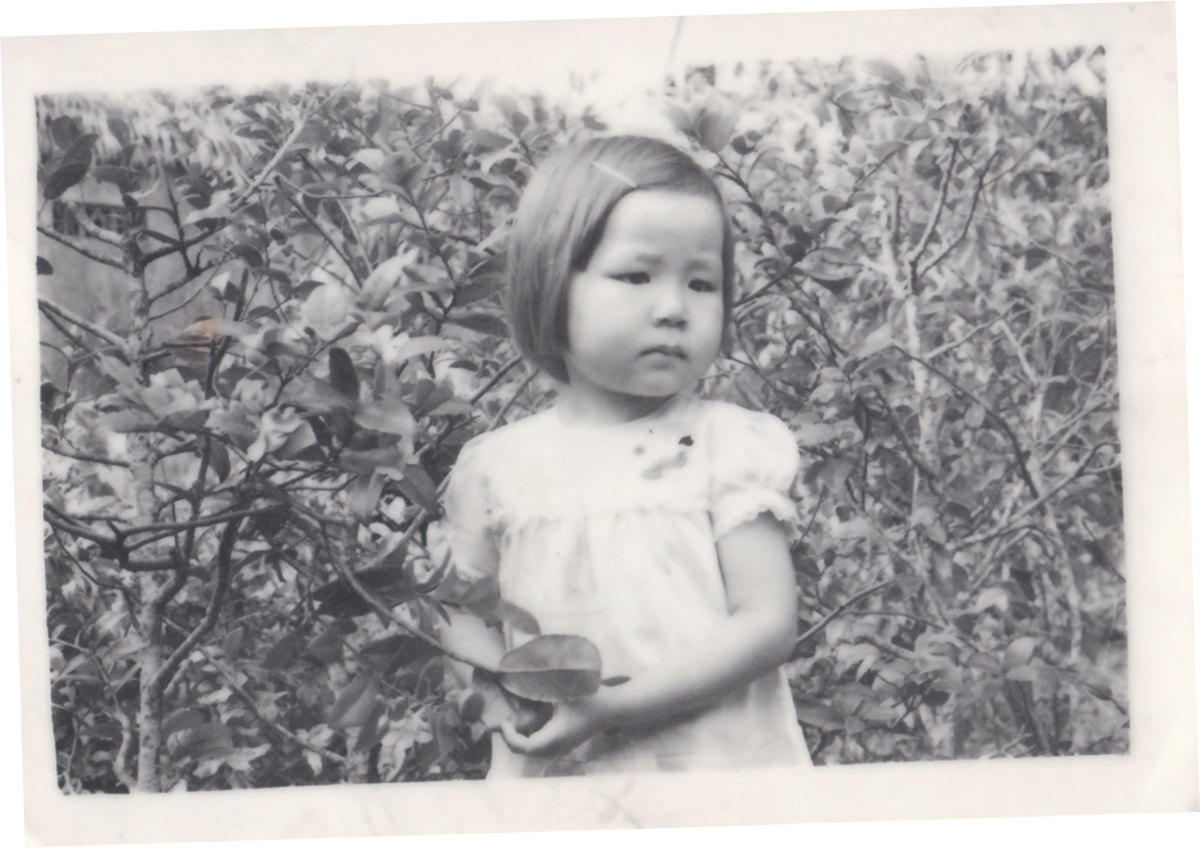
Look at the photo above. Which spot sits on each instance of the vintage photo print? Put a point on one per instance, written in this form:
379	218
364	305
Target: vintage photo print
631	422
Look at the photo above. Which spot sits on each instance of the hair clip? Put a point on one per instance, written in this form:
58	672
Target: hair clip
614	173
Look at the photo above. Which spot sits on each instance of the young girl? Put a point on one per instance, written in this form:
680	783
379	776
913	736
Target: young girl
650	522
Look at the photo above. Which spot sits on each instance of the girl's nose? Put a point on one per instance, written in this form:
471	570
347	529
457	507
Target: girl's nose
669	307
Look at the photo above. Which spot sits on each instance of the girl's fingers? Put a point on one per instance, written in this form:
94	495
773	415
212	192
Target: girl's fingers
514	740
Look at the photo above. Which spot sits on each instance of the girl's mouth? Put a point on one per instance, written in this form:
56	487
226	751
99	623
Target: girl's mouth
666	350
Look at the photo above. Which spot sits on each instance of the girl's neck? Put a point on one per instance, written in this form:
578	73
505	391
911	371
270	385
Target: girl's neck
579	406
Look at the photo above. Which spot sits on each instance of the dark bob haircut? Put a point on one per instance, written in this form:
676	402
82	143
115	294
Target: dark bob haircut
560	221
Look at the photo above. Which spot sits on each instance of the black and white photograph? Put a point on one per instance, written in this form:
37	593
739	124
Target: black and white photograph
756	419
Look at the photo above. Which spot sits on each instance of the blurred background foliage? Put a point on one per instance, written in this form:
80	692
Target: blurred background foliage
270	320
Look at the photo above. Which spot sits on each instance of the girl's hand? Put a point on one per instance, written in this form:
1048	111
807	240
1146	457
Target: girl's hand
573	723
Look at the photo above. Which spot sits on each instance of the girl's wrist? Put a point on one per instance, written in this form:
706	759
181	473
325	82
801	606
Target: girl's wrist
604	709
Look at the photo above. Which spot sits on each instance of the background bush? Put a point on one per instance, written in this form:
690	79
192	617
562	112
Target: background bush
270	320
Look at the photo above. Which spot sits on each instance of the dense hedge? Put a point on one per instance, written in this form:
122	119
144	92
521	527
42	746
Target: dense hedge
271	320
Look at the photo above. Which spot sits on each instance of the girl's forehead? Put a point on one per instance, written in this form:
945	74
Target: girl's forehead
658	214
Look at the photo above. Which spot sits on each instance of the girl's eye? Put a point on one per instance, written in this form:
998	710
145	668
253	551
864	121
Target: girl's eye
637	278
702	286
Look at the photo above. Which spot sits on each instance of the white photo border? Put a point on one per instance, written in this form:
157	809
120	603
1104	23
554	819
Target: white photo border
1159	774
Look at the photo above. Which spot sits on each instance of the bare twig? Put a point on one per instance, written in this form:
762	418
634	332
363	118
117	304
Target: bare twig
328	238
824	622
282	151
220	585
967	223
504	410
81	250
991	413
97	232
83	457
76	530
70	334
205	521
385	611
931	226
83	324
889	648
898	428
491	384
247	699
120	762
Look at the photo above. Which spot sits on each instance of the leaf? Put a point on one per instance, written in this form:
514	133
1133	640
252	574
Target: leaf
213	739
516	618
374	728
342	374
1035	256
80	150
552	668
109	731
356	702
326	649
482	322
471	709
188	719
64	131
44	266
832	472
382	280
386	416
454	406
393	653
284	651
966	623
238	760
810	435
219	459
886	70
818	715
1019	651
120	131
125	179
233	641
63	178
889	148
485	140
365	462
478	289
338	598
935	697
833	284
975	416
421	346
210	328
714	130
248	254
877	340
992	596
302	445
364	496
1031	673
317	395
985	662
419	487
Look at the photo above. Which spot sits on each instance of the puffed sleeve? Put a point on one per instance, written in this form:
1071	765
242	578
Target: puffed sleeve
470	514
754	462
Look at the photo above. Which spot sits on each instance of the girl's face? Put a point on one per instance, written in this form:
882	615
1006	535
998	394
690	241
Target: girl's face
645	317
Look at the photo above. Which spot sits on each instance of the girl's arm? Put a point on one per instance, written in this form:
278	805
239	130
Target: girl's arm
758	636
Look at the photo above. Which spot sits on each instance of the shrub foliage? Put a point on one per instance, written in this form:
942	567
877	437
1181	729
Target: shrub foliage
269	322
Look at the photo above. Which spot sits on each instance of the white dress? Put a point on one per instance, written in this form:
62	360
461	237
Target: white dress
609	532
